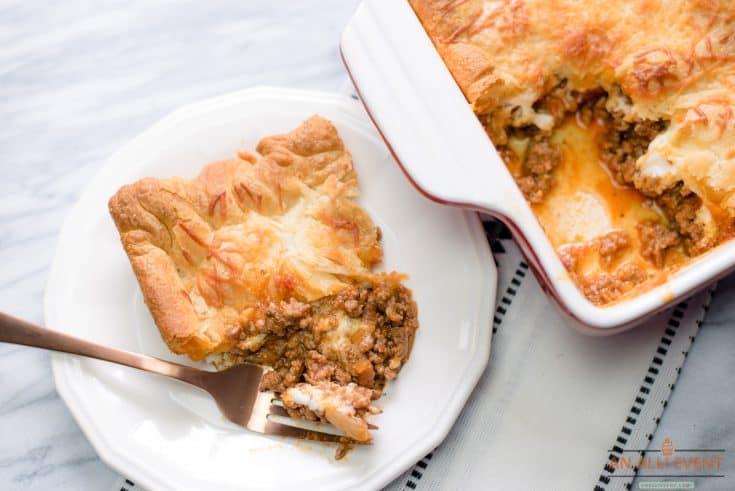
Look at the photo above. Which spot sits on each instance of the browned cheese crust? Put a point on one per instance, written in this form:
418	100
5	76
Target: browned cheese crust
212	253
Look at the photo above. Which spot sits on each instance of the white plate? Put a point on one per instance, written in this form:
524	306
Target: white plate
166	435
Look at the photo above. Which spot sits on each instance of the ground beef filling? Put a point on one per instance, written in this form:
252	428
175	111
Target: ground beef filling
309	351
361	335
603	288
622	143
616	278
656	240
537	178
621	148
611	246
682	205
534	169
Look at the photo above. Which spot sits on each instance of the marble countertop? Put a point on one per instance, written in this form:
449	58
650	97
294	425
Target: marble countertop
78	79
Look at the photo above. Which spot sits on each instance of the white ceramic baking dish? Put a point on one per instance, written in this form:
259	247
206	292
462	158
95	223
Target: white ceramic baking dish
445	153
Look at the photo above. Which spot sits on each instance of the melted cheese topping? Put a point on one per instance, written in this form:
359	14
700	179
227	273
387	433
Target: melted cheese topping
335	403
347	331
268	258
698	149
212	253
318	399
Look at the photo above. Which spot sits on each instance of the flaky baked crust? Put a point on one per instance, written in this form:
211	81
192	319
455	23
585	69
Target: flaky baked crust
657	60
211	253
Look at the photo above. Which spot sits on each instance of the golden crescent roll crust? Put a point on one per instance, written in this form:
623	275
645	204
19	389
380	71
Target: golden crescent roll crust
211	253
656	59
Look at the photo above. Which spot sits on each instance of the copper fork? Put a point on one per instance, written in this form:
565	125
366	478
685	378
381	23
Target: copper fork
235	390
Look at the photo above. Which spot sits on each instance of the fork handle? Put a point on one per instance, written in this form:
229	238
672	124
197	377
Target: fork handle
17	331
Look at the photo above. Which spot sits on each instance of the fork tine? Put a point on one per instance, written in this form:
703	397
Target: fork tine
279	429
277	409
260	422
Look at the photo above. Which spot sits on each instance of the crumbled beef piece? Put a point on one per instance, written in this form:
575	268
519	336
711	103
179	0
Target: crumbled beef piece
612	246
656	239
682	206
603	288
624	143
537	175
370	355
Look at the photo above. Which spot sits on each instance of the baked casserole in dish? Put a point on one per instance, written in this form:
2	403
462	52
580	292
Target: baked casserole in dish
613	120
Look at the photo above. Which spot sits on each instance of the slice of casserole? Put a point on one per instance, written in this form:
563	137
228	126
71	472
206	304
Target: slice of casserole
269	260
615	118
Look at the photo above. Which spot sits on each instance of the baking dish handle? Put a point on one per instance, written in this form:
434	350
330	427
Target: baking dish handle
421	112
